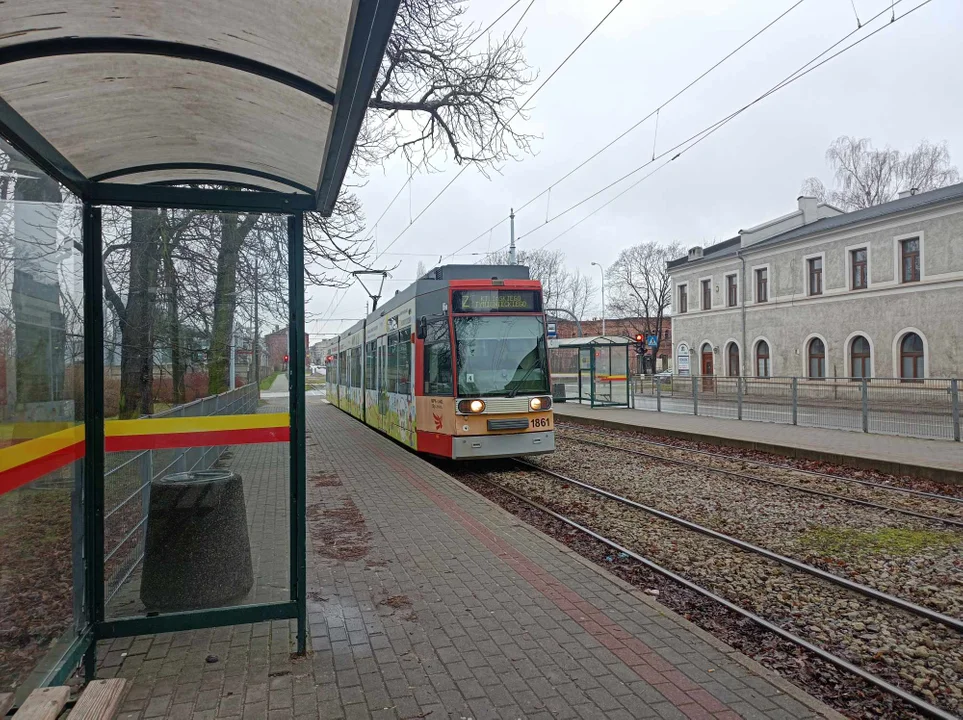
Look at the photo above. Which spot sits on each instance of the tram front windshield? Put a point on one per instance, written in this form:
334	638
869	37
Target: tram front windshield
501	355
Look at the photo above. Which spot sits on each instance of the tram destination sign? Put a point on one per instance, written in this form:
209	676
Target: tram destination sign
499	300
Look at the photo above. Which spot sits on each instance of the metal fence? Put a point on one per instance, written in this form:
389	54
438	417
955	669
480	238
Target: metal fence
128	476
925	408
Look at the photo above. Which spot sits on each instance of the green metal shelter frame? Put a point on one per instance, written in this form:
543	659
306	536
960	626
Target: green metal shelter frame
590	379
355	68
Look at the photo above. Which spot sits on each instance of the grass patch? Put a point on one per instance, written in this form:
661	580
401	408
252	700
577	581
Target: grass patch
267	382
889	541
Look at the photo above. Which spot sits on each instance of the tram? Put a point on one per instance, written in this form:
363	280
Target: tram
455	365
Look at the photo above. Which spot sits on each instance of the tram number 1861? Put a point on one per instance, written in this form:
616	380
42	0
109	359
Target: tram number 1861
541	422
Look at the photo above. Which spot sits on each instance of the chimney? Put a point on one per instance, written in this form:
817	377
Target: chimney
908	193
808	207
695	253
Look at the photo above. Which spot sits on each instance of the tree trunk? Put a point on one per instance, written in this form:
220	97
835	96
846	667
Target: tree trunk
233	234
136	327
174	326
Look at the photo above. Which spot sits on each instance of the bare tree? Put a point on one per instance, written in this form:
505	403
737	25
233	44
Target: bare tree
435	95
580	294
639	287
561	288
865	176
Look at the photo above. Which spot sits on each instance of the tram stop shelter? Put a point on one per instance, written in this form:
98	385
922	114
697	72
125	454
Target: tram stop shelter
231	108
592	369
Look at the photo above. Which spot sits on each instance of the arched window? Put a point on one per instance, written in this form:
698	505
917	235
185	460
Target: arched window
860	357
733	357
762	359
911	357
817	359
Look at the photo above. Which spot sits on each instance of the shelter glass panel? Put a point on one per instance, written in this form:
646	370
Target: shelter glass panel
197	493
41	430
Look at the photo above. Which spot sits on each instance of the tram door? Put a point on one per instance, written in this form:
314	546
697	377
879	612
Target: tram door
382	382
708	384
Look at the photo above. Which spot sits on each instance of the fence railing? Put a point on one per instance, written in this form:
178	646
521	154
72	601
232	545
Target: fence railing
927	408
128	477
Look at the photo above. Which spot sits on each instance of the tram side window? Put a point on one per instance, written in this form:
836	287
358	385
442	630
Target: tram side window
370	364
355	367
403	352
391	371
438	379
343	368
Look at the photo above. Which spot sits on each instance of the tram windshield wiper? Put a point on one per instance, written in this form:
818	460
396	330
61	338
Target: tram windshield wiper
518	383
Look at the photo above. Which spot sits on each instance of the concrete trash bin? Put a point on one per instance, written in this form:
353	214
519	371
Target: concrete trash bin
198	554
558	392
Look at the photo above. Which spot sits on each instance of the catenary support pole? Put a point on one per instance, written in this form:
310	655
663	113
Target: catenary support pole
298	444
93	425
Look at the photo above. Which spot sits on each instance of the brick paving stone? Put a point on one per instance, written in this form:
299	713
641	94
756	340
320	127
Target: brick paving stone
489	618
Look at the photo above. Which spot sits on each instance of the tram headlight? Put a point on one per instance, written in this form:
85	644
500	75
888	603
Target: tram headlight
471	406
537	404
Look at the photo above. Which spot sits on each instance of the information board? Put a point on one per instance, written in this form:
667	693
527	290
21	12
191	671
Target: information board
500	300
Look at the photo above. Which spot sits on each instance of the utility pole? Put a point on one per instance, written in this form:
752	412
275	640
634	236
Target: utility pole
511	247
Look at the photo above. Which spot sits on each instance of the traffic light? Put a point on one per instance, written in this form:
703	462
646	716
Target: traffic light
285	358
640	343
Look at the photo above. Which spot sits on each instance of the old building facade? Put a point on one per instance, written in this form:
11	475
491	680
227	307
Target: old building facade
819	293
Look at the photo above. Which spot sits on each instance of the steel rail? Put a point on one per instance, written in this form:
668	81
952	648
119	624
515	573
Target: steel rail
916	702
906	605
776	483
781	466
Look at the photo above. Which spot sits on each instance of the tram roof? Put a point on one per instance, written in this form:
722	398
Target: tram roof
121	100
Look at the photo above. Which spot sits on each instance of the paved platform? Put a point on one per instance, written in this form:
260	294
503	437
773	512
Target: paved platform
428	601
940	460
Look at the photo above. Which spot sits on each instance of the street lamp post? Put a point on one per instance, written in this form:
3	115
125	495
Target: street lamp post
602	273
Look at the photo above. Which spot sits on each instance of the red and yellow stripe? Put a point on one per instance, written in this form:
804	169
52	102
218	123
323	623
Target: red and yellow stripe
26	461
162	433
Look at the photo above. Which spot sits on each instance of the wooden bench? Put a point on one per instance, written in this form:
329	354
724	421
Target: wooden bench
100	700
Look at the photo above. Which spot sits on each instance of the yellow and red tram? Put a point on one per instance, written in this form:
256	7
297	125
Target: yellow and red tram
455	365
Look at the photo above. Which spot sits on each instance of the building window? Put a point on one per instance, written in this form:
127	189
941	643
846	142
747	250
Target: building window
762	359
683	299
733	356
911	358
860	281
817	359
707	294
910	260
815	276
732	291
762	285
860	357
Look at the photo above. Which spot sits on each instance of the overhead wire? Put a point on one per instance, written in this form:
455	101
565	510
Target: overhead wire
706	132
407	182
517	112
639	122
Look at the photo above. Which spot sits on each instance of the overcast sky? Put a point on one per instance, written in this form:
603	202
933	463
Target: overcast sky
899	87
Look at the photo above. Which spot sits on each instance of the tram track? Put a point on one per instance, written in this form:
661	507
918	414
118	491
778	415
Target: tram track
635	437
774	483
919	704
865	590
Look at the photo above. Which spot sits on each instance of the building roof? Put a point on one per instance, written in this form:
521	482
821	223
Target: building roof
121	99
905	204
950	193
712	252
